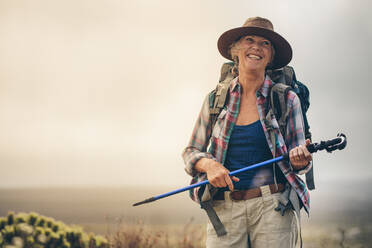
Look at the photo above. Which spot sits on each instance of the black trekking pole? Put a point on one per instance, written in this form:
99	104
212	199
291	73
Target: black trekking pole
338	143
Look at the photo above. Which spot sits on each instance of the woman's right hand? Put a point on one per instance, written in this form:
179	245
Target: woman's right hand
217	174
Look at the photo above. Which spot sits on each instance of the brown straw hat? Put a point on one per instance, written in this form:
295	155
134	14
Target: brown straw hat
261	27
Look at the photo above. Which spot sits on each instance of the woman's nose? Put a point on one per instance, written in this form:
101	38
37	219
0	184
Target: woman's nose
255	46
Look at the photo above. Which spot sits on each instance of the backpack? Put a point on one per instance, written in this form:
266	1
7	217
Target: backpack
285	80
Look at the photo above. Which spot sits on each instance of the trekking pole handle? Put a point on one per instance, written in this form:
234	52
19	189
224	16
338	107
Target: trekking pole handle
338	143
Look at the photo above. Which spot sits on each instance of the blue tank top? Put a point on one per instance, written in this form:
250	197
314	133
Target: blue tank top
248	146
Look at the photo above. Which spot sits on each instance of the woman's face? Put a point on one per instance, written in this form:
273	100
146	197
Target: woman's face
254	52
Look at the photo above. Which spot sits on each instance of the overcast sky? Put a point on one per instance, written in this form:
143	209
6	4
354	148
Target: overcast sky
97	92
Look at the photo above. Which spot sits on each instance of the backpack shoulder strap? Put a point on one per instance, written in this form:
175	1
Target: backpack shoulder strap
278	94
226	72
289	75
220	94
285	79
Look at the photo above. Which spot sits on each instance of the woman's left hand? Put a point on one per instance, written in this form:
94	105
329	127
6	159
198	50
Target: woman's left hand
300	156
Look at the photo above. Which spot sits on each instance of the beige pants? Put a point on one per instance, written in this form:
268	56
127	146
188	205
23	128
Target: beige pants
258	219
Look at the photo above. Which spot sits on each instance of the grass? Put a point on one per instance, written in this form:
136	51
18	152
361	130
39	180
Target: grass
341	236
150	236
194	235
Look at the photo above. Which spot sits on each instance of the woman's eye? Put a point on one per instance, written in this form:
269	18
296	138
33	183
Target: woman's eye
266	43
250	40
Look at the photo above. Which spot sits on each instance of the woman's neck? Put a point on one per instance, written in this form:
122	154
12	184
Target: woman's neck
251	81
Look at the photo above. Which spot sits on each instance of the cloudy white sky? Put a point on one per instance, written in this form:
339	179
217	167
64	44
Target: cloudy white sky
106	92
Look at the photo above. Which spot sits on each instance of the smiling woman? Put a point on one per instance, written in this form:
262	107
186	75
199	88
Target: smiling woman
241	136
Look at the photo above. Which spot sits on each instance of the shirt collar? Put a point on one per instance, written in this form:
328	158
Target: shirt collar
265	88
263	91
234	84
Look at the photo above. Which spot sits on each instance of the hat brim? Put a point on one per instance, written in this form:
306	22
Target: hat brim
283	51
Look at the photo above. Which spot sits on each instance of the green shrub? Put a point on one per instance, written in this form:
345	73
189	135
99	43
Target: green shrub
17	242
41	221
36	231
20	218
10	218
8	233
3	222
32	218
23	229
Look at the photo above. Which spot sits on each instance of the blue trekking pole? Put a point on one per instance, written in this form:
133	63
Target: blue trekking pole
338	143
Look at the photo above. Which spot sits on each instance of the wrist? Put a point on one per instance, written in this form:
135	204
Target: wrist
298	167
202	165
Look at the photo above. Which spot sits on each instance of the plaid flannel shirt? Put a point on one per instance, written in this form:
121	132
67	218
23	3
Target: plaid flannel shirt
213	144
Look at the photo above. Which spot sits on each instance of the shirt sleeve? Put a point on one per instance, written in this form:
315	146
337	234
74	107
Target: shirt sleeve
197	146
295	127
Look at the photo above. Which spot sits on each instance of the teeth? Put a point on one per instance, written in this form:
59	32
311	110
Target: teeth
251	56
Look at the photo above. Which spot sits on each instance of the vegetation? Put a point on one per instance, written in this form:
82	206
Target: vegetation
108	211
35	231
31	230
144	236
